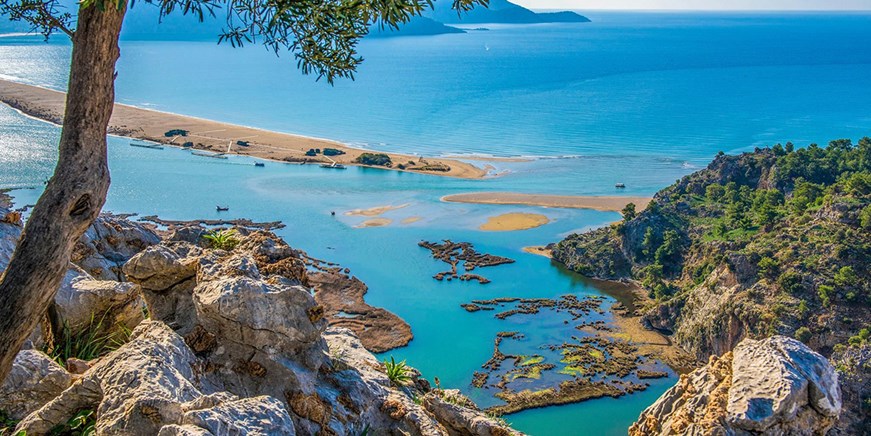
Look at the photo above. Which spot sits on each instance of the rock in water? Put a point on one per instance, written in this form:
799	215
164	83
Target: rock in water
771	386
34	380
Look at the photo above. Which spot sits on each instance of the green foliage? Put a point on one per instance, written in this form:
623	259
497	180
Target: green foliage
333	152
7	424
865	217
825	293
81	424
669	248
398	373
802	309
846	277
767	267
311	152
861	338
86	342
714	192
650	242
222	239
803	334
629	212
188	144
175	132
374	159
791	282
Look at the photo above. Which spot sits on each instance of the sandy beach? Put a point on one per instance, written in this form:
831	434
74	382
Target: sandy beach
604	203
514	221
214	136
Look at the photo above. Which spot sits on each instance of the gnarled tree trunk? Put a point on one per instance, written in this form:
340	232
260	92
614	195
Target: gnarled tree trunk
75	194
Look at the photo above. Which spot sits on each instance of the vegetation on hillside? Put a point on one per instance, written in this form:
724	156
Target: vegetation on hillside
776	241
375	159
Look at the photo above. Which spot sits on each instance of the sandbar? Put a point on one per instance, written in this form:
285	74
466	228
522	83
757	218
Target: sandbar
375	211
150	125
514	221
540	250
411	220
375	222
603	203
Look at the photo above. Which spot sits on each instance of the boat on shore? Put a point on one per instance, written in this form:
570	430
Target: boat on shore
146	145
211	155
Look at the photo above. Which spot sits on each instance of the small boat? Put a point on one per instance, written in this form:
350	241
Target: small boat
212	155
222	208
259	164
620	185
334	166
146	145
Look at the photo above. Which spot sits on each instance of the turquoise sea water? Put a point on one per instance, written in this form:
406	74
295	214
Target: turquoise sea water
636	98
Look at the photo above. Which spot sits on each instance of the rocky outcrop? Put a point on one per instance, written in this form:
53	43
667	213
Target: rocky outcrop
81	301
773	386
344	306
236	345
108	243
854	373
34	380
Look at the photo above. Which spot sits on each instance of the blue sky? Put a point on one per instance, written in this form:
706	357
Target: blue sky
700	4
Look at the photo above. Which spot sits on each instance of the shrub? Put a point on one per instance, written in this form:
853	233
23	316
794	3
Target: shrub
803	334
825	293
86	342
375	159
188	144
628	212
81	424
790	281
333	152
846	277
311	152
222	239
398	373
243	143
767	267
175	132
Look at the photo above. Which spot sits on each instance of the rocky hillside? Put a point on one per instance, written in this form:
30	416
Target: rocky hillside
226	339
771	242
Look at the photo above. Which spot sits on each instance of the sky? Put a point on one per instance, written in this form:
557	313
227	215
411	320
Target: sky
699	4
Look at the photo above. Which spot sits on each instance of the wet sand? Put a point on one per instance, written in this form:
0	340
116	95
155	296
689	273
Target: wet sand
375	211
514	221
375	222
150	125
539	250
603	203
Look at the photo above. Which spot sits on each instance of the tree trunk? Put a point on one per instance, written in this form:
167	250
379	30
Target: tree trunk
75	194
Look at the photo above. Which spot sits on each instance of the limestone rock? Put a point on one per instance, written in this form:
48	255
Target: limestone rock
35	379
108	243
248	416
158	268
771	386
461	416
80	301
137	389
854	373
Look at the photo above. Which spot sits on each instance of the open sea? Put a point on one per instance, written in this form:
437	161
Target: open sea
637	98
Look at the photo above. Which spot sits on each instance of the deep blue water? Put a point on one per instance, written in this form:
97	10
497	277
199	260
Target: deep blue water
636	98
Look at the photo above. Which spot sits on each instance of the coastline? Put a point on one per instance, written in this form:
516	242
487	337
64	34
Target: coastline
214	136
601	203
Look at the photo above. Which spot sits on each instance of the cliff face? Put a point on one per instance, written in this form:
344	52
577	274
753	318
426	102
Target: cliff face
764	243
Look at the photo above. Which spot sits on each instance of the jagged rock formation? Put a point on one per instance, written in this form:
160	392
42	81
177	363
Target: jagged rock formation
34	380
854	374
237	344
108	243
774	386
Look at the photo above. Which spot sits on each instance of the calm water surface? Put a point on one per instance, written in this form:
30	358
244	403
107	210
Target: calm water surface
636	98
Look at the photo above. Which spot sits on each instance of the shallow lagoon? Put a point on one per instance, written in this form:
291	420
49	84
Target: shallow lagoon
449	342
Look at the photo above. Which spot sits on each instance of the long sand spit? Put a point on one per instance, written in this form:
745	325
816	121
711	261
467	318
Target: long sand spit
150	125
603	203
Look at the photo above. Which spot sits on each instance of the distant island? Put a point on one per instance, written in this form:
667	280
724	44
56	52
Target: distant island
436	22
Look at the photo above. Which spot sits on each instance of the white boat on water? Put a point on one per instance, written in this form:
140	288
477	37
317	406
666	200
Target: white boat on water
211	155
147	145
